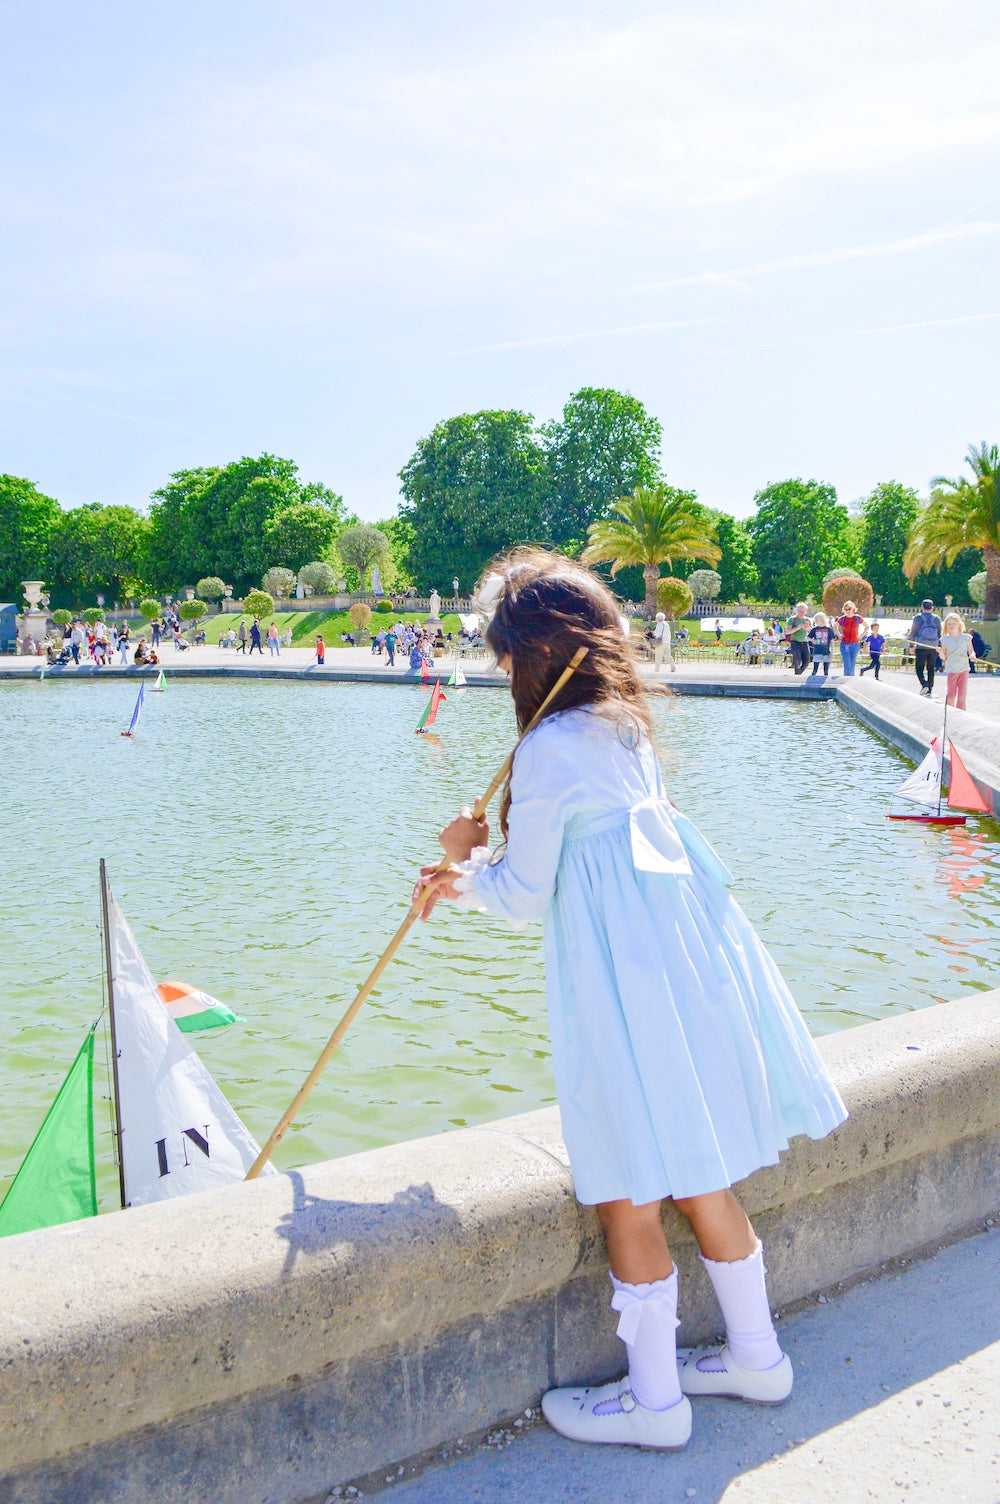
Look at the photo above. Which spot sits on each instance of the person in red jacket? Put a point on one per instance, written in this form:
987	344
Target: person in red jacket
850	628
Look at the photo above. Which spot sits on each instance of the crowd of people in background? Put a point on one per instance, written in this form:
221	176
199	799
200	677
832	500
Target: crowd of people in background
933	643
809	640
103	643
418	645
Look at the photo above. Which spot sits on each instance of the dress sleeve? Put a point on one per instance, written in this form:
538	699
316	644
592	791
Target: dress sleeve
520	885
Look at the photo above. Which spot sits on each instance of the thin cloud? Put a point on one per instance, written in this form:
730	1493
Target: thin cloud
843	334
539	340
806	260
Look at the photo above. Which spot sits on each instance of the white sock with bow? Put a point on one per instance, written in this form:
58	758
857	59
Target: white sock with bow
648	1327
742	1294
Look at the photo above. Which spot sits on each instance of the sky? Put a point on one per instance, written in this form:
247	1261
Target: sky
318	229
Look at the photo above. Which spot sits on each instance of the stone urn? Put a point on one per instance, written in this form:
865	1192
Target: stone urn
34	620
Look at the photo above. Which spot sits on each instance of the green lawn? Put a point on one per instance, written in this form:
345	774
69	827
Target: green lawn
305	625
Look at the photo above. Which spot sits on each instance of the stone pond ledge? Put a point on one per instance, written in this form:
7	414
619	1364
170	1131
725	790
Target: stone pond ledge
263	1343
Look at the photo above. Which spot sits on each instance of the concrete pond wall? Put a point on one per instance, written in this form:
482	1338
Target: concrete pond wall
263	1343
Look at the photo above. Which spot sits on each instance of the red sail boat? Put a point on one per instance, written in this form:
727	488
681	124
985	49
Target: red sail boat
923	787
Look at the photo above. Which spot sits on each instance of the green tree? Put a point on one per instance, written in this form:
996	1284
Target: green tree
303	532
961	514
319	577
315	493
362	546
211	588
740	575
395	568
214	520
102	550
278	581
603	447
477	484
27	520
191	610
655	526
890	511
799	531
258	603
150	609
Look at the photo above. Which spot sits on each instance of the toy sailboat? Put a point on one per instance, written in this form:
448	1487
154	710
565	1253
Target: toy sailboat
174	1130
438	697
923	788
137	712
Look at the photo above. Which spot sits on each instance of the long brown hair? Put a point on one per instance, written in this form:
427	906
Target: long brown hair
550	607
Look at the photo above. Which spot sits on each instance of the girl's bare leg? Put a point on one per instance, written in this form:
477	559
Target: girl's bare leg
722	1228
637	1244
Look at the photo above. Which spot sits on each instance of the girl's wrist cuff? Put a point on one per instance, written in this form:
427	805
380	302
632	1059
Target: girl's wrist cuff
465	882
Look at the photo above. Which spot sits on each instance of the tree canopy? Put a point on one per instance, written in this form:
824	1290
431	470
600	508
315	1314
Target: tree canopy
96	549
798	532
215	520
303	532
605	445
27	518
889	511
740	575
475	485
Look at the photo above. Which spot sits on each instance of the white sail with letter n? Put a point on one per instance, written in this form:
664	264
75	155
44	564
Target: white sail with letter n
924	784
178	1132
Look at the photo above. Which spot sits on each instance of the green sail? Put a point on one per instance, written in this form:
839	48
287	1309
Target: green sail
56	1182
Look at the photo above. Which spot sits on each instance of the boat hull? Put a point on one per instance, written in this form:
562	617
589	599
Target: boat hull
931	819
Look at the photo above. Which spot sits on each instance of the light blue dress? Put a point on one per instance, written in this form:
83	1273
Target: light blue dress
681	1061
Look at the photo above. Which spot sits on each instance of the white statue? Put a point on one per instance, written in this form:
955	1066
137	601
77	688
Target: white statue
435	604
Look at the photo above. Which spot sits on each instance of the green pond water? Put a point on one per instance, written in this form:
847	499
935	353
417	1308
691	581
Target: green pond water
262	840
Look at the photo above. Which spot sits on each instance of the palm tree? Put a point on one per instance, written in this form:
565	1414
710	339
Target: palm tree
961	514
653	526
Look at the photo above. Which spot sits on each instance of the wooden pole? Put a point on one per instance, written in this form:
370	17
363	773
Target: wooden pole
481	806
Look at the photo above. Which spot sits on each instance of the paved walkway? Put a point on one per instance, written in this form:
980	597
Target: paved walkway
352	663
895	1403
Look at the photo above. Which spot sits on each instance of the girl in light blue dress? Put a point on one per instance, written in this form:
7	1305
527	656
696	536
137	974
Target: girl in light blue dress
681	1062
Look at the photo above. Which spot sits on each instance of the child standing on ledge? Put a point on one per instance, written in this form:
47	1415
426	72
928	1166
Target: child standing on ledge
681	1062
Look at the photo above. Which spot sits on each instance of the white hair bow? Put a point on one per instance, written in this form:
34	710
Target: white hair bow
485	602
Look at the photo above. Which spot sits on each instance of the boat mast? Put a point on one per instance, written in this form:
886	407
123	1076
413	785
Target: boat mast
944	748
114	1041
